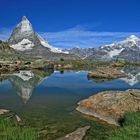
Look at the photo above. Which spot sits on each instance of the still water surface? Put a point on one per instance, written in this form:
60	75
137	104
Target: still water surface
48	99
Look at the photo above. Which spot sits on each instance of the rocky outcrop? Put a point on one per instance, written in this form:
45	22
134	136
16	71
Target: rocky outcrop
110	106
106	73
77	134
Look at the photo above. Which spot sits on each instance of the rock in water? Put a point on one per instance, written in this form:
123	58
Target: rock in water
3	111
9	114
106	73
77	134
110	106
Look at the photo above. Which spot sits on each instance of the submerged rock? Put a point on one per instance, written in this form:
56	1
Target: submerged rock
77	134
110	106
3	111
9	114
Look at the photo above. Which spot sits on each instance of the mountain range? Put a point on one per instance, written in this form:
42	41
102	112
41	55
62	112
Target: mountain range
128	49
26	41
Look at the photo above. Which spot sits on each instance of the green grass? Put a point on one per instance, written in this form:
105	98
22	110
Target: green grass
130	129
11	131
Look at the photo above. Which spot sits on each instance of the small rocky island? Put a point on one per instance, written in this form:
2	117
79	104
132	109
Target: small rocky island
110	106
105	73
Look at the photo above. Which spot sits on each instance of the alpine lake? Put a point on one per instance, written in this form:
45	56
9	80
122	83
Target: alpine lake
47	100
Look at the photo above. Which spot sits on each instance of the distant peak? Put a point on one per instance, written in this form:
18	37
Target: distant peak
24	18
133	37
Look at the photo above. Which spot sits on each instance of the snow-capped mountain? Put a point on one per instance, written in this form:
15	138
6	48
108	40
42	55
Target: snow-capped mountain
128	49
132	42
24	39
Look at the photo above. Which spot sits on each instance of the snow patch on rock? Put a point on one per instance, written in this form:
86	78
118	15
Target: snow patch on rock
25	44
115	52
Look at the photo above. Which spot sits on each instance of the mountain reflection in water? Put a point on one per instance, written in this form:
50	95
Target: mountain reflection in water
132	75
24	82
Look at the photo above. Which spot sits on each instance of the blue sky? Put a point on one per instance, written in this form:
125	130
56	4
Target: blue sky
74	23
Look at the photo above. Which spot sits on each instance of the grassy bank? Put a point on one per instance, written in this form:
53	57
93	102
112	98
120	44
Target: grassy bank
11	131
130	129
79	64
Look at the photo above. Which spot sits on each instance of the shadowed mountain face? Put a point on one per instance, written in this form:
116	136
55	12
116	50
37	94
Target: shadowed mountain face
24	82
81	52
25	40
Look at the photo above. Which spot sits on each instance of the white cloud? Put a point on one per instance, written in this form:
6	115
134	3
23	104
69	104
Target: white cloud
84	38
77	36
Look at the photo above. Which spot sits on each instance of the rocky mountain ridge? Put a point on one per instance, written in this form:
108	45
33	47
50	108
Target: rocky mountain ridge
128	50
27	41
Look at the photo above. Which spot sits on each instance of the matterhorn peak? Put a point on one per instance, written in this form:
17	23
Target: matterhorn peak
24	18
23	38
25	25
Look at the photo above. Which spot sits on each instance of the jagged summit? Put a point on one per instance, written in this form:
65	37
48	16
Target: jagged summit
21	32
25	25
24	18
23	38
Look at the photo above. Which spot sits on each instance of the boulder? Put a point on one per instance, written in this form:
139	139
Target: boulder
110	106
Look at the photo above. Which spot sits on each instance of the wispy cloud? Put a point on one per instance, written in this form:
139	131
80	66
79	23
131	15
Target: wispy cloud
79	36
84	38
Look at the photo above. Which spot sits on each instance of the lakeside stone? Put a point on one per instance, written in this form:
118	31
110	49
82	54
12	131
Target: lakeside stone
110	106
78	134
